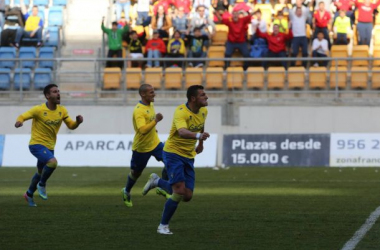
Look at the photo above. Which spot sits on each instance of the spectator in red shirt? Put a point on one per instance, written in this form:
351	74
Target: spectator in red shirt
365	17
321	20
155	49
237	34
276	43
185	4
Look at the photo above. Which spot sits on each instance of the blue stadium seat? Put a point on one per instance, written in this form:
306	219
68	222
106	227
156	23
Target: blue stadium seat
17	2
7	2
56	16
59	2
41	2
28	53
5	79
42	77
53	37
7	53
22	78
46	52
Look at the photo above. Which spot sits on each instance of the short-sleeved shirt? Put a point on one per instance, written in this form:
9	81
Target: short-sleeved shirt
185	118
46	124
142	115
342	24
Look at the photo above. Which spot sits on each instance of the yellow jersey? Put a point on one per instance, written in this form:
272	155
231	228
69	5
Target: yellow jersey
46	124
32	23
146	138
185	118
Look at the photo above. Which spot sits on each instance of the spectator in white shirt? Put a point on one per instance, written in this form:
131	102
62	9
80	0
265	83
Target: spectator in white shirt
320	49
298	18
143	12
258	23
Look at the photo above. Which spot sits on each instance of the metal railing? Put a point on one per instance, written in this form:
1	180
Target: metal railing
90	79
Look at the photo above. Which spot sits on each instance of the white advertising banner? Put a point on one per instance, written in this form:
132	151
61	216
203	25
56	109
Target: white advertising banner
93	151
355	150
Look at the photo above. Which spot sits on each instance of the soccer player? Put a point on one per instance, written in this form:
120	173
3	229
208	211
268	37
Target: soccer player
146	142
47	119
179	152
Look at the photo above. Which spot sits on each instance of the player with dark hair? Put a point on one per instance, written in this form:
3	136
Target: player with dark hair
146	142
47	119
179	152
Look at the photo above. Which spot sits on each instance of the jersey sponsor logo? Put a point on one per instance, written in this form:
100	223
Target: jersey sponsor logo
194	127
52	123
45	113
191	117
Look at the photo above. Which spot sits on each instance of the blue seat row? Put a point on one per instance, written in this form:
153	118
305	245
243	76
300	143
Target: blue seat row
38	2
23	78
27	53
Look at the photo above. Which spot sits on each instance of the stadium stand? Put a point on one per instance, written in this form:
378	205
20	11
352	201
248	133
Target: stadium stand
7	53
56	16
22	78
193	76
153	76
46	53
173	78
276	78
214	78
317	78
112	78
338	77
42	77
296	78
5	79
235	78
133	78
255	78
27	53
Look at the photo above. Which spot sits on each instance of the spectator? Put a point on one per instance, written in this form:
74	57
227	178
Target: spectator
282	5
164	3
176	49
135	48
142	9
205	3
365	17
282	23
155	49
342	25
258	23
197	47
115	37
122	5
220	6
298	17
276	43
180	22
345	5
33	26
322	19
2	13
122	22
161	22
326	2
202	21
185	4
320	48
237	34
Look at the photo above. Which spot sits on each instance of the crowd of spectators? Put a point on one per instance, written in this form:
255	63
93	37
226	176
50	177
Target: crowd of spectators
185	28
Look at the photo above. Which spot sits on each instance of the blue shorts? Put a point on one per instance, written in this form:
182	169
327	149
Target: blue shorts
140	160
42	153
180	169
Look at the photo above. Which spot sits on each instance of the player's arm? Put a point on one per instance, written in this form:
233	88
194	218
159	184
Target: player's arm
187	134
25	116
146	128
71	124
199	148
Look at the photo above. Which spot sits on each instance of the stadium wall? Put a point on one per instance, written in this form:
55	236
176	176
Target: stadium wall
251	120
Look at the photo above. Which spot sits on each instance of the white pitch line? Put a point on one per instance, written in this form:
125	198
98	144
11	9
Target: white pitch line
358	236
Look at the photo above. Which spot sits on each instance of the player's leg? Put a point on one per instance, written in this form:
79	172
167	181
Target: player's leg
175	165
138	164
47	171
163	189
154	180
33	185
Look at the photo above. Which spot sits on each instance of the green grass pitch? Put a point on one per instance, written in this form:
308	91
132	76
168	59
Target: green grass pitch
239	208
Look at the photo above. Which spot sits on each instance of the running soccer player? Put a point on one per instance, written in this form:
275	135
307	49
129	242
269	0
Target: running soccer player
146	142
179	152
47	119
